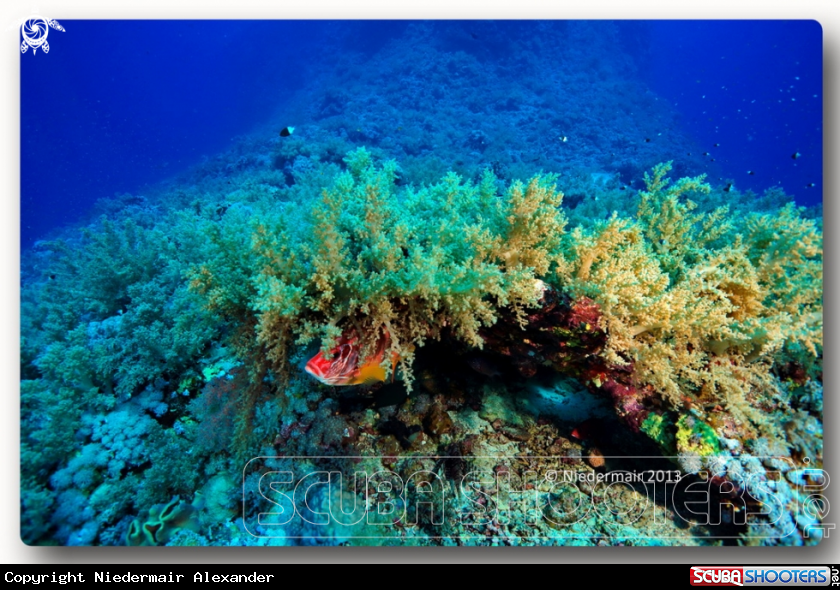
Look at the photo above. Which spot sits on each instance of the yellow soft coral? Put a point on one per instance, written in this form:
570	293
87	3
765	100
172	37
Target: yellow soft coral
701	304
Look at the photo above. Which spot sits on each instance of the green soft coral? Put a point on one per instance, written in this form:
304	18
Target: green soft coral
407	262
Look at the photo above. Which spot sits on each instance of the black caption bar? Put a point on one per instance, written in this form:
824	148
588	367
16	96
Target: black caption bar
136	574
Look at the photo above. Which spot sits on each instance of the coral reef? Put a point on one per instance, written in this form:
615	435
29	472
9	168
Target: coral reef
690	327
586	320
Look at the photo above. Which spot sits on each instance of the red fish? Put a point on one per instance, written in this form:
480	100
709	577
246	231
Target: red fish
345	367
587	430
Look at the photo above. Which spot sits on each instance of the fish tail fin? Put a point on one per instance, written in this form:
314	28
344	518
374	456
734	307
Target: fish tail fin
370	374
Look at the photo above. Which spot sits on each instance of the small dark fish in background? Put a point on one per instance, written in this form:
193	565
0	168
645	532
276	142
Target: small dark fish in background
706	154
589	429
810	185
795	155
286	131
727	188
483	365
647	139
717	145
750	172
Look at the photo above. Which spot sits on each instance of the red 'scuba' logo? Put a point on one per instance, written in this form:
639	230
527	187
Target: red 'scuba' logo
717	576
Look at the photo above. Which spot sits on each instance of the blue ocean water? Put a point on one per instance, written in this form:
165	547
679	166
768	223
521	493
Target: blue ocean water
119	105
755	88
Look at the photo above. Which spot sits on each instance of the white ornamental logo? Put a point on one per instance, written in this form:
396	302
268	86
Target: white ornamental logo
34	31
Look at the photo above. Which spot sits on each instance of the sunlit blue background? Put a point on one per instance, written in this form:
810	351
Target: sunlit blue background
118	105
